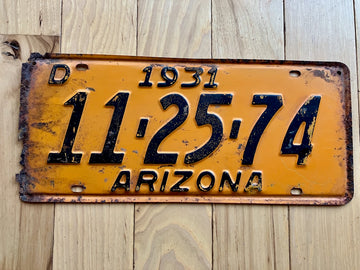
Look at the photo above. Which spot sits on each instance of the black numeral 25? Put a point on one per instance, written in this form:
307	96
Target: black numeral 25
202	117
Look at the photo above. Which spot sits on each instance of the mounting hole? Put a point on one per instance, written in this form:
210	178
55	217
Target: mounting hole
295	73
82	67
77	188
338	72
296	191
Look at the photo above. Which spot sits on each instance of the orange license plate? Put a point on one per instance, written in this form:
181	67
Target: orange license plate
134	129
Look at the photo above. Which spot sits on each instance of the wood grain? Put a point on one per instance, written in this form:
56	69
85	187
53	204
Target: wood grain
96	236
26	231
357	32
178	236
247	29
173	236
325	237
249	237
101	27
174	29
30	17
93	236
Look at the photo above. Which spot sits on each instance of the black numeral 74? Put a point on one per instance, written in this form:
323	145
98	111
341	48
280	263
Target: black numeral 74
307	114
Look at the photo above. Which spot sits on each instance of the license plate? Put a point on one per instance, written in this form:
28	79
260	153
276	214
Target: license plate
134	129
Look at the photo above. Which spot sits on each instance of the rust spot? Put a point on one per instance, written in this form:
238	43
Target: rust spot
44	126
24	177
323	75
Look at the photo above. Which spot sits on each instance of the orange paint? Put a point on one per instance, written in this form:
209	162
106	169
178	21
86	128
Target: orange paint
325	178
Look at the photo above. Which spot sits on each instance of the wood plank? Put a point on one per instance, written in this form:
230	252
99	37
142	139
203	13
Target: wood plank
357	31
247	29
26	230
93	236
249	237
173	236
30	17
171	29
106	27
325	237
96	236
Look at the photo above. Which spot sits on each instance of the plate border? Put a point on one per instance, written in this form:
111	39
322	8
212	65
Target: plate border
24	179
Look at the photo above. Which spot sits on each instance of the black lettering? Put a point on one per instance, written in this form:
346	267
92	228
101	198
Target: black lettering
66	76
117	184
146	82
107	155
142	127
164	180
273	103
235	129
307	114
66	155
255	182
152	156
201	176
168	81
227	178
211	83
185	176
202	118
142	180
198	71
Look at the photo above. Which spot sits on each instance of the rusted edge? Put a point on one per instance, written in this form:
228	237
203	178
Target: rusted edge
35	56
23	178
349	141
60	56
245	200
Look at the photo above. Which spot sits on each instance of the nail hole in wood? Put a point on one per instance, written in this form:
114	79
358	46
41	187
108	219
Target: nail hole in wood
15	47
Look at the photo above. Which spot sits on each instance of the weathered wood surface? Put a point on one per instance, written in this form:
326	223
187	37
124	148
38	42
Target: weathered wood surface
179	236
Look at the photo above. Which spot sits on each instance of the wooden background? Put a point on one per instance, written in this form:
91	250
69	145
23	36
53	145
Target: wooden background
177	236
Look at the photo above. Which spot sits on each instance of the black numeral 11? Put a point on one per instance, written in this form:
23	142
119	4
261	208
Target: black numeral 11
107	155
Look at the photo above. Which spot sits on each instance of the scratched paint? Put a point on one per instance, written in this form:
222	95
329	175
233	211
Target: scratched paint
205	107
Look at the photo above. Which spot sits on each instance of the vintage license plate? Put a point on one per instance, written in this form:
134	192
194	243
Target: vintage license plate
134	129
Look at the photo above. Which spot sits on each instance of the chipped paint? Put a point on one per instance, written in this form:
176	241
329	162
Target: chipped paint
44	118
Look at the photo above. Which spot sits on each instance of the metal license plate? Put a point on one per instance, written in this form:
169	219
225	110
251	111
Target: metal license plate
134	129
